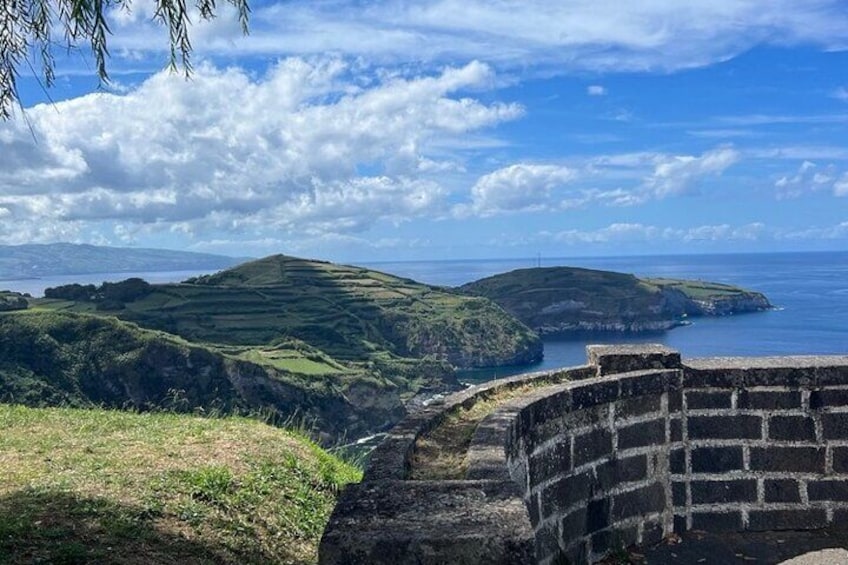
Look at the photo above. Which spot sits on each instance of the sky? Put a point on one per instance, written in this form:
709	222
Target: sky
446	129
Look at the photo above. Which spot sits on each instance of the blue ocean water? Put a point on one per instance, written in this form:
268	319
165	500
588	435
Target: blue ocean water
810	291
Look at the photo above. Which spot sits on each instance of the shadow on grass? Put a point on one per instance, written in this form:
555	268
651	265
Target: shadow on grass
63	528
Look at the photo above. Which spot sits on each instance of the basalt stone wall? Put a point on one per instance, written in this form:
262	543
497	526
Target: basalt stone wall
646	447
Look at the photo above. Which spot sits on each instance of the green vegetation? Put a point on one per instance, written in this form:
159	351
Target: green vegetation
338	346
12	301
348	313
565	299
99	486
82	360
442	453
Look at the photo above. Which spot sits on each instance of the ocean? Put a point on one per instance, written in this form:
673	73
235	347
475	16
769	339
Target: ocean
810	291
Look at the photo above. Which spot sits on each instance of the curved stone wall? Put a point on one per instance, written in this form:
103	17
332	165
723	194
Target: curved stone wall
645	447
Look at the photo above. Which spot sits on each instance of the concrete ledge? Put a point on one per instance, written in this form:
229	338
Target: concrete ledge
429	522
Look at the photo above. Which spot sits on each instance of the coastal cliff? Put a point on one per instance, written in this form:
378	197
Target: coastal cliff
559	300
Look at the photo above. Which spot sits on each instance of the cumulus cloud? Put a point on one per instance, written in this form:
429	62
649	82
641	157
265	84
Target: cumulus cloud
301	148
811	178
675	174
610	180
581	34
520	188
596	90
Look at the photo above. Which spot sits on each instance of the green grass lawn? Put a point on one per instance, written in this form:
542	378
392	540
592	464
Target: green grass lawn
98	486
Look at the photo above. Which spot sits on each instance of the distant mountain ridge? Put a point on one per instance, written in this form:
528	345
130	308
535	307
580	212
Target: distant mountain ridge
56	259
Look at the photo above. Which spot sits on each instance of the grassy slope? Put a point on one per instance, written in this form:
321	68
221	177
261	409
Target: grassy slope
95	486
351	314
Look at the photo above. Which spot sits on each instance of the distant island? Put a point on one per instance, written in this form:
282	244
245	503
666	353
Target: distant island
341	350
562	300
54	259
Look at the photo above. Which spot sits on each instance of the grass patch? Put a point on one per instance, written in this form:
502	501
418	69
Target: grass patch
442	454
81	486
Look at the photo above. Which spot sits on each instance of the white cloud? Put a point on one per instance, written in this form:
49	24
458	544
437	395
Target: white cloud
521	188
675	174
841	93
840	187
596	90
610	180
637	232
563	36
301	149
811	178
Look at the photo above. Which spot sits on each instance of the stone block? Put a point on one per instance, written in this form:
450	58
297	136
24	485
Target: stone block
800	519
602	542
639	406
677	461
594	393
675	401
835	426
566	492
678	494
828	490
574	526
791	428
552	461
597	515
840	459
724	427
610	359
788	459
769	399
719	492
647	384
641	501
781	490
675	430
716	459
717	521
617	471
703	399
828	398
591	446
679	524
642	434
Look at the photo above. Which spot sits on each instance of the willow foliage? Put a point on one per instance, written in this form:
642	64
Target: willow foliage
30	31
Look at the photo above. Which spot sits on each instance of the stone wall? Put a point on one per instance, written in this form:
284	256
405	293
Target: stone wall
644	447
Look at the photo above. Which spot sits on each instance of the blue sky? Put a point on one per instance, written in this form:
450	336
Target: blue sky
389	130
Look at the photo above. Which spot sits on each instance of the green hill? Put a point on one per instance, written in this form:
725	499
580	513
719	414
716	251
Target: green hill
567	299
350	313
70	359
99	486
